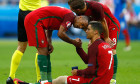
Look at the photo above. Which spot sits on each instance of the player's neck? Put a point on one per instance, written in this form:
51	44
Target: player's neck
93	39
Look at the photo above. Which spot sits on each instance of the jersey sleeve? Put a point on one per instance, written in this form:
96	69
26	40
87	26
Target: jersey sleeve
68	20
98	11
89	72
82	54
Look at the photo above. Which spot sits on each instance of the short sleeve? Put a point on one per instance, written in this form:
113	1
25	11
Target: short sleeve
68	20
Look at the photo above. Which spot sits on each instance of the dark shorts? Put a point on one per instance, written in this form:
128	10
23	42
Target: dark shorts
22	37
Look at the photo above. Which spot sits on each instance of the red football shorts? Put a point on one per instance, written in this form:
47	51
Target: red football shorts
35	32
77	80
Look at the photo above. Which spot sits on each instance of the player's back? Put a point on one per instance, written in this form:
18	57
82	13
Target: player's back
52	11
96	11
50	16
105	62
110	18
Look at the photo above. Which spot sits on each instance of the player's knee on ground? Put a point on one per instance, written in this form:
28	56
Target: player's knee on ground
60	80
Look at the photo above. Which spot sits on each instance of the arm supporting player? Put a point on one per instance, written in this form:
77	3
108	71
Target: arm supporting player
62	34
105	29
49	35
106	32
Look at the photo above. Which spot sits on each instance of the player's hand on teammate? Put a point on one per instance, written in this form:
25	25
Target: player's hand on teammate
74	72
110	42
77	43
50	48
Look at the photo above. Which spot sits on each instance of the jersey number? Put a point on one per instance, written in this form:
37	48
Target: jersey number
110	52
76	79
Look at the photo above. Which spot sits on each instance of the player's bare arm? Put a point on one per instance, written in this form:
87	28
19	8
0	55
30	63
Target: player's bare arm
106	33
105	30
62	34
49	38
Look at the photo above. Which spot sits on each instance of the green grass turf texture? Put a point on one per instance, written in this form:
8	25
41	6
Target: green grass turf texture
64	57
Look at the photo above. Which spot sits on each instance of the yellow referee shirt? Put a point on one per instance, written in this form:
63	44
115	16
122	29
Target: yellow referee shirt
29	5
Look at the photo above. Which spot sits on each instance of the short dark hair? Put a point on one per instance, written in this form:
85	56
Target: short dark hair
96	25
86	17
76	4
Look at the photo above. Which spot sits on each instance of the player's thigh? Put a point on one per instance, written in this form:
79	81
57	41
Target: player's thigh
22	37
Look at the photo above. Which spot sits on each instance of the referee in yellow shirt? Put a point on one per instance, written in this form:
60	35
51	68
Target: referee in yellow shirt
25	7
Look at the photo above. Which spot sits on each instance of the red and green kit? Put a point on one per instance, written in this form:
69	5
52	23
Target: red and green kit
46	18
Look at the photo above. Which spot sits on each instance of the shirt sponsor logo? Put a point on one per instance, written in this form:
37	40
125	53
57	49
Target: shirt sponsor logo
68	23
106	46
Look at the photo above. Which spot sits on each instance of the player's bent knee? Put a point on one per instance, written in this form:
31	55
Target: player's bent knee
60	80
42	51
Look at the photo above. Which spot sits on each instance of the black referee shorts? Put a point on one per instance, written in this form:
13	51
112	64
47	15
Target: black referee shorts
22	37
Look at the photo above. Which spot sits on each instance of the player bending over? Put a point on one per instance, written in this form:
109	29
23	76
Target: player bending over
39	25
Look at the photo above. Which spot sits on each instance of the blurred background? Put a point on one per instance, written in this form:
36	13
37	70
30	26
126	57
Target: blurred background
131	13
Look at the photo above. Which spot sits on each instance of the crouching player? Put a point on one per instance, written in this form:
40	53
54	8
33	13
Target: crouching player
99	59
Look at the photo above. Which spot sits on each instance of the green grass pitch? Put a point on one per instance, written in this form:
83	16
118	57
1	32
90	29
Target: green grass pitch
64	57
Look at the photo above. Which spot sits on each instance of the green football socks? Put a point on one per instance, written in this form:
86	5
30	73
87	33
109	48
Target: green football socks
42	62
45	67
49	76
115	66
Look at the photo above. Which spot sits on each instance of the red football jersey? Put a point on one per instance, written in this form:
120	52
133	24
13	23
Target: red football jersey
100	62
51	17
97	11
